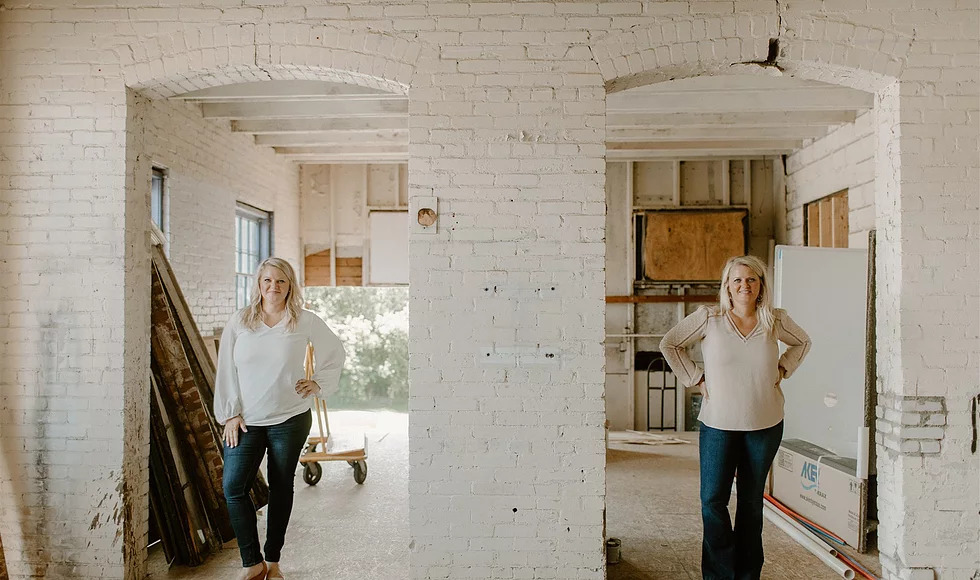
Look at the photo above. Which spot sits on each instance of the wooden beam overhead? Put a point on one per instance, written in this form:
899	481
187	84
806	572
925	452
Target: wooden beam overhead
353	158
775	118
313	108
772	144
720	132
752	100
683	154
275	126
278	90
335	138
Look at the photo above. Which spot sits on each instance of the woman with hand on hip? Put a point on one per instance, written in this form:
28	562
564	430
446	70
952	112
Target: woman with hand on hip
741	410
262	398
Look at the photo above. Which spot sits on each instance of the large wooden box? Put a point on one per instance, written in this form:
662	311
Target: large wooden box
691	245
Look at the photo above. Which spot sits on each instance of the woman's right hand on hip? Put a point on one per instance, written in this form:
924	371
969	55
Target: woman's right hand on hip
701	387
231	430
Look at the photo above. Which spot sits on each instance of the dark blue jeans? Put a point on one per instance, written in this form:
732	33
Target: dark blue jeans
726	553
284	442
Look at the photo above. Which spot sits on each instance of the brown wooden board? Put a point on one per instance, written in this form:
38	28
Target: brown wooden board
183	404
691	245
841	228
316	271
826	224
3	564
813	225
350	272
167	501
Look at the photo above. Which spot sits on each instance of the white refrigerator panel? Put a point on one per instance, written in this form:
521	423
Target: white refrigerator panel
825	291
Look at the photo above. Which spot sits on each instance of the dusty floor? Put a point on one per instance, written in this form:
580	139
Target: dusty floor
344	531
339	530
652	506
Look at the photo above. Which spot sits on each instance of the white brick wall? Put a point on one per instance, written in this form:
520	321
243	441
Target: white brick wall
507	130
843	159
210	169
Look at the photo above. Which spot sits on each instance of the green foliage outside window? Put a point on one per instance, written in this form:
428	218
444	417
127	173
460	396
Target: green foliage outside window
373	325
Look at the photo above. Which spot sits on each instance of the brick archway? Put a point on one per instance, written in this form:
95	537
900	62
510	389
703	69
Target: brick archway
166	65
813	48
834	52
163	66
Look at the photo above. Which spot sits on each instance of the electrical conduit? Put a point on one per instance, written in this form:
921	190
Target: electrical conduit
818	549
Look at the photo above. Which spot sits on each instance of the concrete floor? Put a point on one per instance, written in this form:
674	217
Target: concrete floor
339	530
344	531
652	506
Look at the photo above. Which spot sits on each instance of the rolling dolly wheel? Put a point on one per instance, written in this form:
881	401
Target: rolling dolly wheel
312	473
360	470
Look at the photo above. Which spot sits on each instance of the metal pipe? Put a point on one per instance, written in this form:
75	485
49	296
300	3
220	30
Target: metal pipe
814	547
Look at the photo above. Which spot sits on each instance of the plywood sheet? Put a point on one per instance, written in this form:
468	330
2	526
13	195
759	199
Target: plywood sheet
317	270
683	245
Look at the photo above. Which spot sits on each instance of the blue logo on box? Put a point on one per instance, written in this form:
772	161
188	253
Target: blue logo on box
810	475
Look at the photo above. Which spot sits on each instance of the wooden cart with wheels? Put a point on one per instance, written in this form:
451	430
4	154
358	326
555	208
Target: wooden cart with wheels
331	448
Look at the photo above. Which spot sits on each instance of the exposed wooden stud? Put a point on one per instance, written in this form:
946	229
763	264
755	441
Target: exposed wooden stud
826	224
677	183
840	221
726	182
333	227
747	182
813	225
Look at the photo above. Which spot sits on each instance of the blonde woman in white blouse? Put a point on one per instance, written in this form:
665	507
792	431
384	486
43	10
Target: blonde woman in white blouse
741	409
262	398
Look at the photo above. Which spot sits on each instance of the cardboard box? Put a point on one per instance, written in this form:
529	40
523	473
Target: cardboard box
822	487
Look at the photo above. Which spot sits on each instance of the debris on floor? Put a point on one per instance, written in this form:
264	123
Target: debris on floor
630	437
188	513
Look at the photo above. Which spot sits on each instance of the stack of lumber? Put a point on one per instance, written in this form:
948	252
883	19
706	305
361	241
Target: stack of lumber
3	564
187	506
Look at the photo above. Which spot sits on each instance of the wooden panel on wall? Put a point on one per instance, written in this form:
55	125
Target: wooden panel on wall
350	272
827	222
317	268
684	245
839	205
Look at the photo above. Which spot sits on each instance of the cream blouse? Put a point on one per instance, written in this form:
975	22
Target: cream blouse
258	369
740	371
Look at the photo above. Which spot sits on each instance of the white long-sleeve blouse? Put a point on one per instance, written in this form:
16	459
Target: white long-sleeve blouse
258	369
740	372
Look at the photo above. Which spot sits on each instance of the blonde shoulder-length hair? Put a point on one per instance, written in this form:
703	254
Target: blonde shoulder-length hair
252	314
763	304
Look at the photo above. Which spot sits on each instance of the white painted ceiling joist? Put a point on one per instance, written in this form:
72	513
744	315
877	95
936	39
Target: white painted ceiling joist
804	99
718	132
300	109
776	118
273	126
277	90
339	138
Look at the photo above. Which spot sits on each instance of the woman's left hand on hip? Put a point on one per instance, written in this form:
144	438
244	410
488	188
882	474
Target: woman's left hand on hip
305	388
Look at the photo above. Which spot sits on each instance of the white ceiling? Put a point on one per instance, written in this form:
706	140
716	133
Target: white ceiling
724	116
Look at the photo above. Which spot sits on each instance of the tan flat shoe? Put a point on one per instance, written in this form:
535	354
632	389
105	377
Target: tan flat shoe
278	575
261	575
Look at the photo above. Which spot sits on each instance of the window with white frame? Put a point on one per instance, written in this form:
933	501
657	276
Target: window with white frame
158	199
253	243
